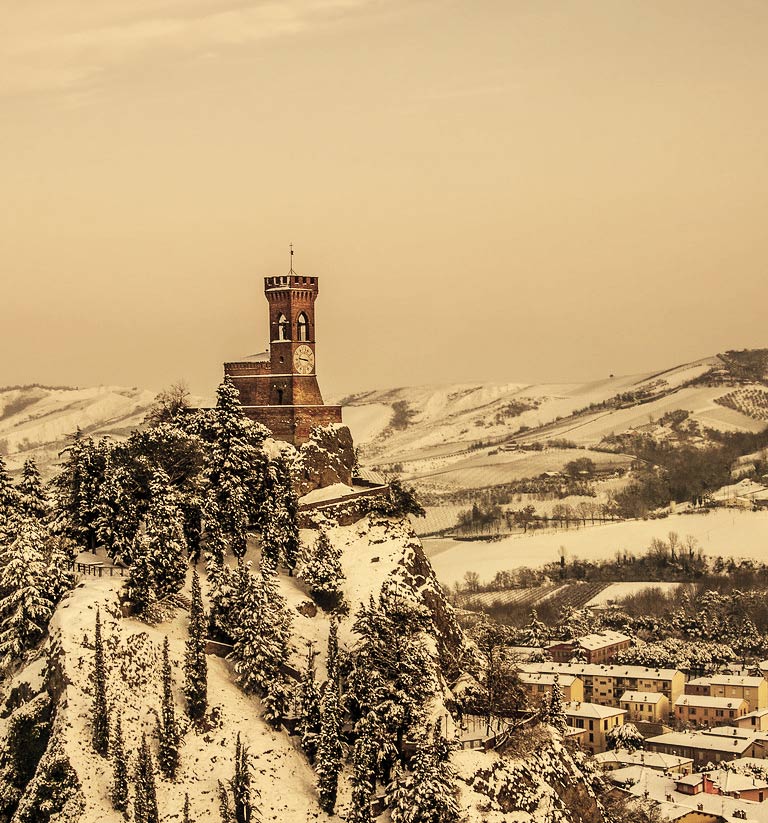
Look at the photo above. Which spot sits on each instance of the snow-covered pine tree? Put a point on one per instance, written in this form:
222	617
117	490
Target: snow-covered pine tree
428	794
76	489
748	640
280	529
100	710
535	632
226	812
59	551
392	671
329	750
9	498
241	784
164	530
141	576
118	515
26	602
145	791
557	718
364	759
309	725
332	654
213	540
240	809
119	791
169	735
233	474
32	501
625	736
195	659
320	568
262	642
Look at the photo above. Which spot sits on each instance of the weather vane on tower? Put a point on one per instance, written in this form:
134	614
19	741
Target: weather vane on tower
290	245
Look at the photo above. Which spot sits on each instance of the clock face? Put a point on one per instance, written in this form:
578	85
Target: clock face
303	360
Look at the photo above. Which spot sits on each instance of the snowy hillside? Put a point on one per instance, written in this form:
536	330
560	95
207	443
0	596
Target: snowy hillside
427	430
374	550
35	422
371	554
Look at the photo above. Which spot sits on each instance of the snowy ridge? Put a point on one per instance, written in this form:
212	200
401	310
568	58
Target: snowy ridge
36	422
427	429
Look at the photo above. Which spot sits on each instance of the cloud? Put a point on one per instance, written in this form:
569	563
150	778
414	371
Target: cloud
69	44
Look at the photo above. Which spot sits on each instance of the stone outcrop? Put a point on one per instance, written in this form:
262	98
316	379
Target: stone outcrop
328	457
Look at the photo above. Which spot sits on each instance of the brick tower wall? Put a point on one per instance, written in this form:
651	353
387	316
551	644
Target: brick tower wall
293	423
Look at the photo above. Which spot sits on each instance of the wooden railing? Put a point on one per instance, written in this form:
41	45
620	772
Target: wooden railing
96	569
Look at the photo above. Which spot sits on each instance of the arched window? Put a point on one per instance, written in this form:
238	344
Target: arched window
302	327
283	328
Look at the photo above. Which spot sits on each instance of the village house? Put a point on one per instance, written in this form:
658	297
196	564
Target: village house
756	721
596	720
724	782
752	689
677	802
605	684
536	685
711	745
649	707
703	710
620	758
601	647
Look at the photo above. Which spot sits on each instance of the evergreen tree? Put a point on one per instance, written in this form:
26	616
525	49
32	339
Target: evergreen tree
364	758
119	769
119	512
26	600
59	553
240	809
428	794
535	632
9	499
392	671
626	736
195	659
168	755
32	500
332	656
164	530
77	489
321	570
748	640
145	791
141	576
280	529
100	711
261	642
309	727
329	750
557	718
233	474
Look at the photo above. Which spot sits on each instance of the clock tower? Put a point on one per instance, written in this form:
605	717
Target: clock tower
279	387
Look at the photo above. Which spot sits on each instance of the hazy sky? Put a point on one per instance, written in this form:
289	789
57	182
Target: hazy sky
500	190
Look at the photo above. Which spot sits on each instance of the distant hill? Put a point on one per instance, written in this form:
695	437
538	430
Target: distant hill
429	428
35	421
469	435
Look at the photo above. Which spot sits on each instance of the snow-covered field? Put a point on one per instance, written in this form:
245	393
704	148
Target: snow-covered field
724	532
618	591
